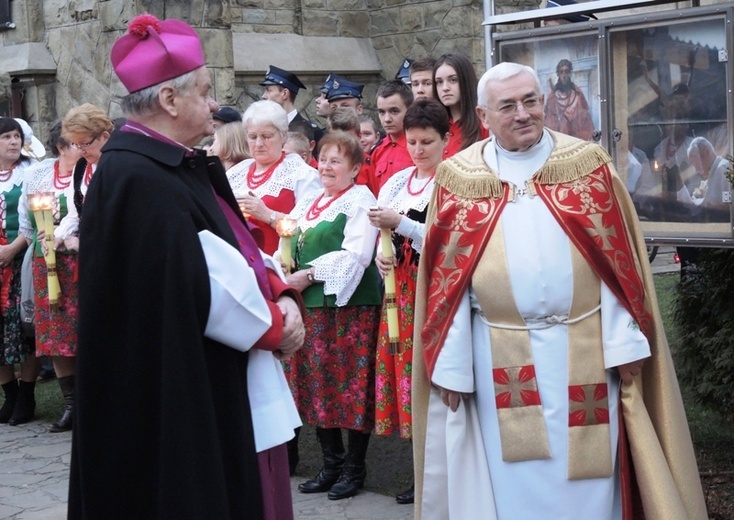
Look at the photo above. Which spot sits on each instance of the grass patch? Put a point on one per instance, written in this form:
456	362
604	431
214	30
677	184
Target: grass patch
49	401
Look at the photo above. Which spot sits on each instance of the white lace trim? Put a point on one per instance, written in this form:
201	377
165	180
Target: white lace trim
285	177
357	197
394	194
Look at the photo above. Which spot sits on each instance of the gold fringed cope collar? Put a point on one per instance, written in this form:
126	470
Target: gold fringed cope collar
571	160
468	176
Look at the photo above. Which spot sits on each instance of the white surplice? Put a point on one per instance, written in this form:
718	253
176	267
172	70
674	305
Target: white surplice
539	262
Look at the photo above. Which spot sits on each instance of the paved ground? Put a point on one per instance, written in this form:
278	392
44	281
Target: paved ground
34	474
34	467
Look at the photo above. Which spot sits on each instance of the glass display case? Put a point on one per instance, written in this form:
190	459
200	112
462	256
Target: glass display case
655	91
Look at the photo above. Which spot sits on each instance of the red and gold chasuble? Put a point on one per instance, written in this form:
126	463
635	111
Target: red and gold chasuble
576	185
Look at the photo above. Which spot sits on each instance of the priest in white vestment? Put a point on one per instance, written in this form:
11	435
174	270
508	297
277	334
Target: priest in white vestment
537	320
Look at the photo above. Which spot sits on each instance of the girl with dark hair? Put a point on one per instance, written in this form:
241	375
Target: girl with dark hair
455	85
20	402
401	207
55	327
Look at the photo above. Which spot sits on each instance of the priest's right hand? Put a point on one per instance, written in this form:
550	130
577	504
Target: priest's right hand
451	398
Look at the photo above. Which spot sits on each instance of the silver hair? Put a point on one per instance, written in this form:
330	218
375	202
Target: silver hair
267	112
700	144
145	102
501	72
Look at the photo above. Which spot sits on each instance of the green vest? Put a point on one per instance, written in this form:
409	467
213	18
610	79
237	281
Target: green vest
12	198
324	238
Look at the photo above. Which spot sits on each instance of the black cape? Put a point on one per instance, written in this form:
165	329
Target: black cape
163	426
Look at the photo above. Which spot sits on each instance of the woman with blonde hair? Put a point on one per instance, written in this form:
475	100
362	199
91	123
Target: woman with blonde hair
87	128
230	144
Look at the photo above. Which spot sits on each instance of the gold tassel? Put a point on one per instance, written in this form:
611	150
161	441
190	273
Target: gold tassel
466	175
571	160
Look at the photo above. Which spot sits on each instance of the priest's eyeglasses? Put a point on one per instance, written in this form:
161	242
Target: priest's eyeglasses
509	109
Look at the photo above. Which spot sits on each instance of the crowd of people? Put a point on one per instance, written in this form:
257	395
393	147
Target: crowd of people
233	292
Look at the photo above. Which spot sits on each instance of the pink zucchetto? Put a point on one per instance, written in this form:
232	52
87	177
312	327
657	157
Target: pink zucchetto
153	51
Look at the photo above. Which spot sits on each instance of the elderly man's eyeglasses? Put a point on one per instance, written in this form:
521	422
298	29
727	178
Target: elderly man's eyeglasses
84	146
509	109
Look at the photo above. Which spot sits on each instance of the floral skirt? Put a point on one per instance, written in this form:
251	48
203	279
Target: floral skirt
333	376
394	371
56	331
16	348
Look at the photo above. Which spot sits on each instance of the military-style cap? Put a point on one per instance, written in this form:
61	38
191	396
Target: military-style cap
327	84
404	72
282	78
227	115
344	89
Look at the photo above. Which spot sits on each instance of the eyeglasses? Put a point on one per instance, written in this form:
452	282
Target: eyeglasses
263	137
84	146
510	109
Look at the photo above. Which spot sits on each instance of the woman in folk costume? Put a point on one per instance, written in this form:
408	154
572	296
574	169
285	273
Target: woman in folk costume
87	128
333	377
564	402
402	207
55	321
269	185
19	150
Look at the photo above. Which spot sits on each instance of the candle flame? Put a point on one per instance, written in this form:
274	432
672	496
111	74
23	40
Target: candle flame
286	227
41	201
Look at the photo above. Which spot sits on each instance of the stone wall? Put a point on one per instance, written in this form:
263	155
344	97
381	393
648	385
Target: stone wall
80	33
397	29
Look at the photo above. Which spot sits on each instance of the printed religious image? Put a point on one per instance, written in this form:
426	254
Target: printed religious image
568	72
671	110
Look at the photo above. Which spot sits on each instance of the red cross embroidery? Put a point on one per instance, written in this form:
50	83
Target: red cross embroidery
588	405
515	387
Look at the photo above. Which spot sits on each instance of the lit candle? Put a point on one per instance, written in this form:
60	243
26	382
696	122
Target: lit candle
286	228
42	205
391	304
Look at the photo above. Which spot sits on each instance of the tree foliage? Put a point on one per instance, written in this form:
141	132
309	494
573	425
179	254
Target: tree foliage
704	316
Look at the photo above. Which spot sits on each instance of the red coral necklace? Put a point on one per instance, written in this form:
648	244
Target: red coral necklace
255	181
60	182
410	179
315	210
6	174
88	174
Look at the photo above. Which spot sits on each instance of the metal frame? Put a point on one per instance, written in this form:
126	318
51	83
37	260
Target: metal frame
538	15
604	27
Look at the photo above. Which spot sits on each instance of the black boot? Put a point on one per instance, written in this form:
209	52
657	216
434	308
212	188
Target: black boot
332	447
47	369
25	407
355	471
11	397
406	497
293	457
63	424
